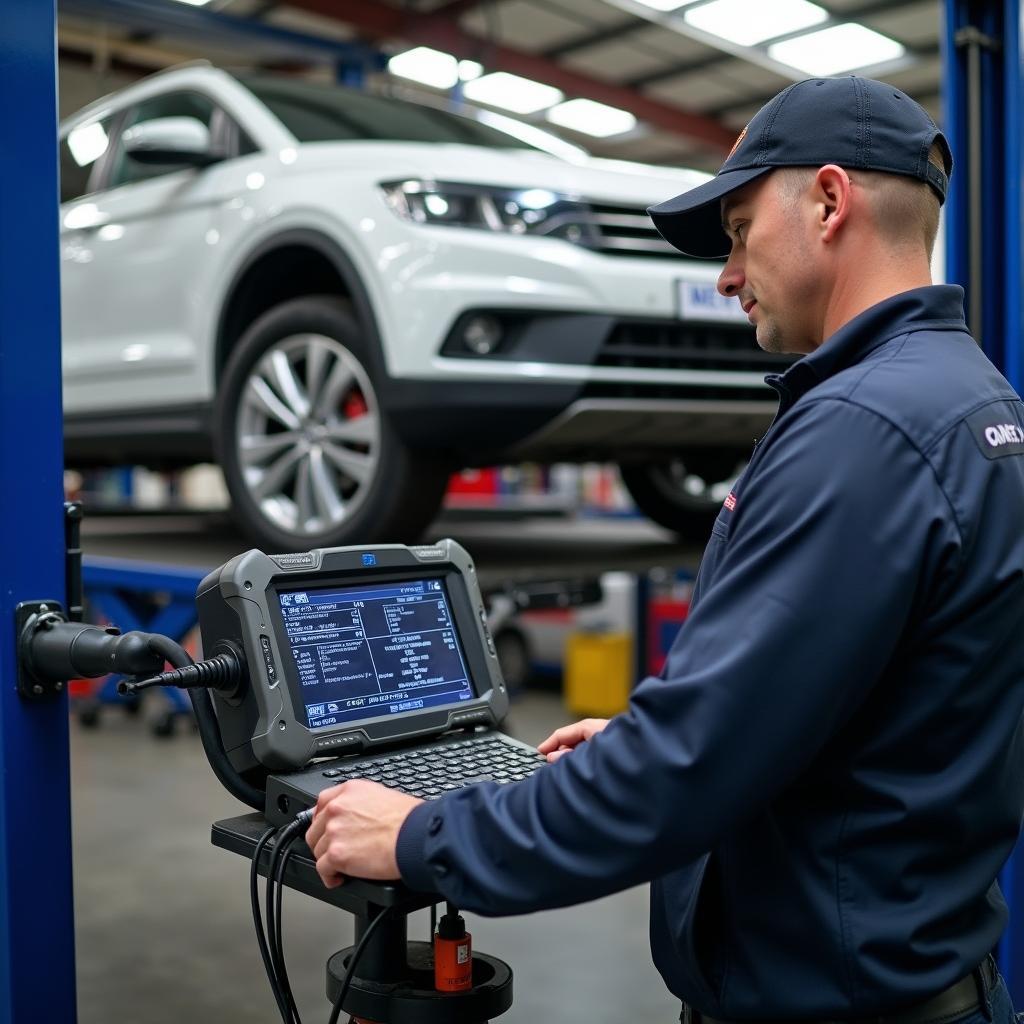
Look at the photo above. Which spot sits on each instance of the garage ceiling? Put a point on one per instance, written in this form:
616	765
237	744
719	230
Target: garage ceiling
691	91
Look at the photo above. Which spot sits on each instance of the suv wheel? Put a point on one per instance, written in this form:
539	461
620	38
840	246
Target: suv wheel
684	494
309	456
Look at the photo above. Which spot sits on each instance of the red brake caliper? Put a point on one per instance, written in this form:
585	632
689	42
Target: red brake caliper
355	406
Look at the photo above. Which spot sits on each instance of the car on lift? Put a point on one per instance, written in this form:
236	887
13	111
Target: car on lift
342	297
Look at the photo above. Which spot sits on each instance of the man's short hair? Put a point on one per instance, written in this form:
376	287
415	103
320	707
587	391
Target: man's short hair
906	210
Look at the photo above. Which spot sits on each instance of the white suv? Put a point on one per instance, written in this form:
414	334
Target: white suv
343	297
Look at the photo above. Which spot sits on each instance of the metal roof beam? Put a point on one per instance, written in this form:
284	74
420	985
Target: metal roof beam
608	34
725	109
437	30
179	21
869	9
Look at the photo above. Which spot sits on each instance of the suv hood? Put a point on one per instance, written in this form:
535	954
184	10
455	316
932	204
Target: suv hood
592	178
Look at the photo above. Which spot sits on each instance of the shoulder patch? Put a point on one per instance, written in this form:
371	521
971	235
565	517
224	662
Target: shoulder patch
998	432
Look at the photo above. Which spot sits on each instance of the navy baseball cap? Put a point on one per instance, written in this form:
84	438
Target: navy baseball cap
853	122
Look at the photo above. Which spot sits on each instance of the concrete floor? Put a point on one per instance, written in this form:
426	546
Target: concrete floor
163	926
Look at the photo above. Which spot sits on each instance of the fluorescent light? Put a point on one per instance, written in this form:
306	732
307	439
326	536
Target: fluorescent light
87	142
194	3
666	5
520	95
837	49
427	66
748	22
470	69
592	118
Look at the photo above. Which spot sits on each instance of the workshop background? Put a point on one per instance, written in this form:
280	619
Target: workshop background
574	399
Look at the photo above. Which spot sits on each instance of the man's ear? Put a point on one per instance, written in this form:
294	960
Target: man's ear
833	197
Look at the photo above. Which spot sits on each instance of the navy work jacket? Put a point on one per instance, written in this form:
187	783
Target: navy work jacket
829	774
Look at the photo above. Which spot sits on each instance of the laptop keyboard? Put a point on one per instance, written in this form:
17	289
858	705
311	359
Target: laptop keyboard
431	772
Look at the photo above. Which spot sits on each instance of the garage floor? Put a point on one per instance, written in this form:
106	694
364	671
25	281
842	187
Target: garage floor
164	932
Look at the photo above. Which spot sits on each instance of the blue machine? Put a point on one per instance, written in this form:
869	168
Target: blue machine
983	105
37	960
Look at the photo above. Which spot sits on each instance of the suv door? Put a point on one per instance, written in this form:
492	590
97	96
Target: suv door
138	254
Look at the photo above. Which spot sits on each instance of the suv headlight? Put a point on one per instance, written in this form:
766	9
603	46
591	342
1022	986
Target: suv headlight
533	211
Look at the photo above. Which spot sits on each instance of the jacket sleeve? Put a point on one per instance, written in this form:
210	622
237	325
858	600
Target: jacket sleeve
840	530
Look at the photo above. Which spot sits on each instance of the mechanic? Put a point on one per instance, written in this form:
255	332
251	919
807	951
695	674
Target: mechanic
828	775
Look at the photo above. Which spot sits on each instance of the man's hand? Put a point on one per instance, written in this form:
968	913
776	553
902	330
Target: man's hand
355	829
561	741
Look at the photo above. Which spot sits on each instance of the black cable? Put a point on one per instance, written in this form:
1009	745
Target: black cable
257	918
172	652
221	672
281	855
350	971
209	732
268	937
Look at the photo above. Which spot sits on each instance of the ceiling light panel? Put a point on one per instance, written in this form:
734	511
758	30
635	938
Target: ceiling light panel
666	5
596	119
510	92
426	66
835	50
749	22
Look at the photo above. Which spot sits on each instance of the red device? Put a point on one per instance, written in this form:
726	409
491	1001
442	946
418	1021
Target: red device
453	954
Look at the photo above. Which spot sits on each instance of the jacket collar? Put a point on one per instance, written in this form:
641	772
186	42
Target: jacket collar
933	307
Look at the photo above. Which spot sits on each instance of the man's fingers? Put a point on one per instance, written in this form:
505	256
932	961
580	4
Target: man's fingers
327	795
567	736
319	823
322	846
572	735
328	874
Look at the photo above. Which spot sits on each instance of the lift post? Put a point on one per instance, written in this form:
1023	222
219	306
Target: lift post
37	976
982	109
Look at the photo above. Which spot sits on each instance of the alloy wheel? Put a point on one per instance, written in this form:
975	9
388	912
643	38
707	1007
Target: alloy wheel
308	434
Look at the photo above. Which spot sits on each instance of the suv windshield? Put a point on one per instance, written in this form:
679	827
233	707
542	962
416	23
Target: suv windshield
321	113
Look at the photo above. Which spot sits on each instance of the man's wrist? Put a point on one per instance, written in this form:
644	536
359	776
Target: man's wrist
411	847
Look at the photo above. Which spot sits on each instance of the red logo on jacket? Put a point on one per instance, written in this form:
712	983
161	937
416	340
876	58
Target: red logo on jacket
730	502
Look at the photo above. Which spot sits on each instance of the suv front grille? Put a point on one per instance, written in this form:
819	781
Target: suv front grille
675	345
626	231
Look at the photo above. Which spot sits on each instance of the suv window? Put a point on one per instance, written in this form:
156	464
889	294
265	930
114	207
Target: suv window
320	113
80	153
125	170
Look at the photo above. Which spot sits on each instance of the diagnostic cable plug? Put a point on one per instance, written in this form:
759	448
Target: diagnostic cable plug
222	672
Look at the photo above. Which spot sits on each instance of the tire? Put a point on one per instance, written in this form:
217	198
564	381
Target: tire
514	658
684	494
309	456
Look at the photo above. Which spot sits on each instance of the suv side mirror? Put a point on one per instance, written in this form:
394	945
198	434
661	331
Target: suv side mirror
170	140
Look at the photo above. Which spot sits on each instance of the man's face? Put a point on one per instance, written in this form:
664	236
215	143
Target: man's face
771	268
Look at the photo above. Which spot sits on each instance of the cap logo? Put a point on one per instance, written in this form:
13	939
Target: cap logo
736	145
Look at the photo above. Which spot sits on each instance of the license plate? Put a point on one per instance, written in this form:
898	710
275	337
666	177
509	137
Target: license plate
700	300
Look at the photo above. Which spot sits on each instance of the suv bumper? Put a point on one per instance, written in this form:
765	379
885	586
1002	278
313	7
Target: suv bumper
486	422
573	386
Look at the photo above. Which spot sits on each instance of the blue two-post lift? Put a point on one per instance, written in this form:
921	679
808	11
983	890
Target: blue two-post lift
984	98
982	109
37	961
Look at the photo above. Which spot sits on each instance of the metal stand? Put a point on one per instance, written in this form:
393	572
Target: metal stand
395	983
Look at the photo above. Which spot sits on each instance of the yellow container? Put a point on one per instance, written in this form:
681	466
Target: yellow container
598	673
